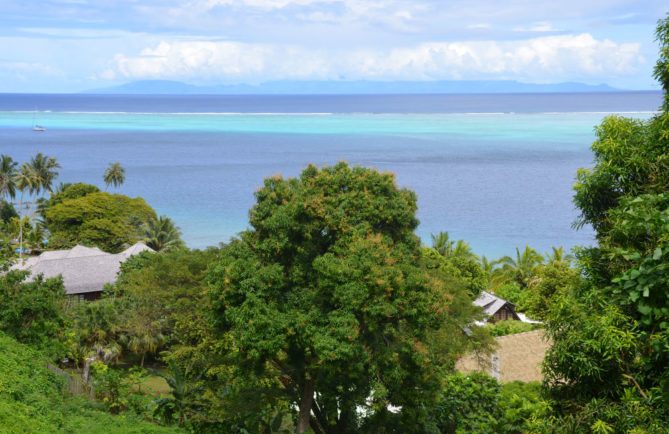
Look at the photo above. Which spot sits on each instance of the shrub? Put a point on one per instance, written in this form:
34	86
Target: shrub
510	327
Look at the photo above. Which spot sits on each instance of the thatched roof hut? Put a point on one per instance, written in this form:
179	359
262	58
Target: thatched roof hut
85	270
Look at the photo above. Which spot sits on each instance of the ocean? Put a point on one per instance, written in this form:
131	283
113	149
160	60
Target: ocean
495	170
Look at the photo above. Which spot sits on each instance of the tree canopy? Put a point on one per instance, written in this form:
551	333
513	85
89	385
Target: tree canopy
611	333
327	291
108	221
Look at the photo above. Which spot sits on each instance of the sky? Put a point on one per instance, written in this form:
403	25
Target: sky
76	45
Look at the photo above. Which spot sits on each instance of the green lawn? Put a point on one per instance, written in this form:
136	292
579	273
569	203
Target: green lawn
154	385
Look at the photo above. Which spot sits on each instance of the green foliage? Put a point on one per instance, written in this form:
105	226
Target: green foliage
515	294
7	211
632	413
115	174
65	192
462	271
32	400
639	245
165	291
27	389
631	160
477	403
42	170
231	401
553	279
98	324
7	172
469	403
661	70
594	346
32	311
449	248
522	269
548	281
108	221
109	387
611	333
184	399
510	327
327	290
162	235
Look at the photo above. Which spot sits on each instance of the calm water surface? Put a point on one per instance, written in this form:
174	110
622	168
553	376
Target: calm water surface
495	170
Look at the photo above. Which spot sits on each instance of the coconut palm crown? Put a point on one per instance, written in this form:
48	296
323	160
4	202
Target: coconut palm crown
7	172
115	174
162	234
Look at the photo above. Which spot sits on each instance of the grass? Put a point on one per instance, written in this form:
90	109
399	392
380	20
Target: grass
154	385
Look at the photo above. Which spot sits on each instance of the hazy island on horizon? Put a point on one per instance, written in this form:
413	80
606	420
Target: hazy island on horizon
361	87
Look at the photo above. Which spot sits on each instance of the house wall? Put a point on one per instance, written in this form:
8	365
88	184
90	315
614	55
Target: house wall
518	356
504	313
86	296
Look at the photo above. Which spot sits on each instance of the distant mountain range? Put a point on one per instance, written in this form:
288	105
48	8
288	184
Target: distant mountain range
154	87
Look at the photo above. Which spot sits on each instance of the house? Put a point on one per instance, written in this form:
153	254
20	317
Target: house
85	270
496	307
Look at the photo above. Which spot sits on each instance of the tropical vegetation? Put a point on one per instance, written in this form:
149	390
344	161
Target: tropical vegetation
328	315
114	174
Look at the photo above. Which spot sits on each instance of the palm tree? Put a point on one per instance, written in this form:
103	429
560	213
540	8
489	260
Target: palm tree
146	340
115	174
184	399
463	250
441	243
449	248
34	177
25	181
521	270
43	169
35	237
489	268
162	234
558	256
7	172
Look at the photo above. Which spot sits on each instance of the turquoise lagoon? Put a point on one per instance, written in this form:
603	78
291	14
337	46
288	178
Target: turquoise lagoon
497	178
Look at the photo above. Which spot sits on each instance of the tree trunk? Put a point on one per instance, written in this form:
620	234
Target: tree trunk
21	230
142	363
305	406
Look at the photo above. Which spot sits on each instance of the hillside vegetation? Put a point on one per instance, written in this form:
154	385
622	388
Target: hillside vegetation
32	400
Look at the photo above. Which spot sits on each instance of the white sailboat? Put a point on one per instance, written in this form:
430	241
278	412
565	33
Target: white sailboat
36	126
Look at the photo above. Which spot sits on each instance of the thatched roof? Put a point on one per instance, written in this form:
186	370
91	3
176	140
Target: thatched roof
84	269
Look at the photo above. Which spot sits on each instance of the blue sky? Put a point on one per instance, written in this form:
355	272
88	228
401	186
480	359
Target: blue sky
73	45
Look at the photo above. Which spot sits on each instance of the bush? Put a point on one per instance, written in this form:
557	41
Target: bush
32	400
469	403
32	312
477	403
510	327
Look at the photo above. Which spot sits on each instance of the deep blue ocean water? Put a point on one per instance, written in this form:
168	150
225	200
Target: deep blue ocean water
495	170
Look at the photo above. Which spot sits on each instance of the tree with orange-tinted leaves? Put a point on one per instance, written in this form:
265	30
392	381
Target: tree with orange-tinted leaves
325	293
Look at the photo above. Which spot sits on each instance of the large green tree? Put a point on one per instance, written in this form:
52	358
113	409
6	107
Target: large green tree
327	291
108	221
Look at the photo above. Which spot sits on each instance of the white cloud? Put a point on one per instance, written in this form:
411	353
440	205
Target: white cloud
393	14
544	59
